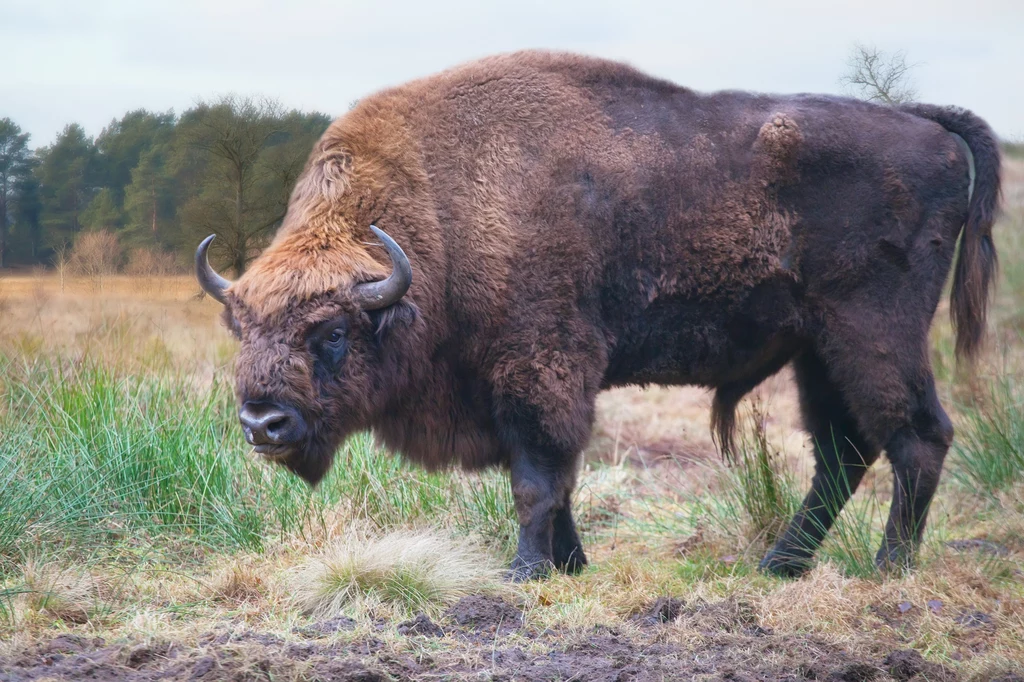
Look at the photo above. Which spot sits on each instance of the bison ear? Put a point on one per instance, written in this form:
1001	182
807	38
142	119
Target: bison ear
404	313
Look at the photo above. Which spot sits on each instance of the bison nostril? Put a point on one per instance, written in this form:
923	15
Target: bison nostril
277	426
270	424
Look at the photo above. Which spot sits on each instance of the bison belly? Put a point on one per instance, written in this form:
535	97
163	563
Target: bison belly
710	342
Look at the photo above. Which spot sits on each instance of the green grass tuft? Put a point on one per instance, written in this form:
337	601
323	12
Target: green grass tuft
989	447
757	495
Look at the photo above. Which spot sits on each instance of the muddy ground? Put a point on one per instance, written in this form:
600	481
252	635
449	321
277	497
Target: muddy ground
483	638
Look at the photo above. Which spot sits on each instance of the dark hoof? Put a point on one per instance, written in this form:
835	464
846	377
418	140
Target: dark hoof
522	570
894	559
784	566
574	563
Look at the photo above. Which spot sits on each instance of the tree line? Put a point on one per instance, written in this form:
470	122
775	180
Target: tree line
153	184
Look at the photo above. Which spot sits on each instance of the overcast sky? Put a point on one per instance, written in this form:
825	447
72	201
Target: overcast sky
92	60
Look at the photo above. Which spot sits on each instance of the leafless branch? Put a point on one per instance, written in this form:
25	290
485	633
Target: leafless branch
878	76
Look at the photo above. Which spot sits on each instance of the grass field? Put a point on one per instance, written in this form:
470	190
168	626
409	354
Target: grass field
139	537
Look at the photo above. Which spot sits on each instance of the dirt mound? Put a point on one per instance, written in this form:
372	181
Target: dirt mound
145	654
67	657
855	672
485	614
907	664
606	655
420	625
663	610
256	657
70	644
729	615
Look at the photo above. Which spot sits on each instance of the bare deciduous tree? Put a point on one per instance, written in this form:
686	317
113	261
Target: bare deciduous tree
95	255
62	262
225	140
878	76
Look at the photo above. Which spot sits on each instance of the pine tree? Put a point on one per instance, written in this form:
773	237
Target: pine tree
67	175
14	166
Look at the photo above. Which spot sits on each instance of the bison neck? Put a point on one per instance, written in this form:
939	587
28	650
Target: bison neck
445	419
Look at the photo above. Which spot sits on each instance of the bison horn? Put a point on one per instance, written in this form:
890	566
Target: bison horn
376	295
209	280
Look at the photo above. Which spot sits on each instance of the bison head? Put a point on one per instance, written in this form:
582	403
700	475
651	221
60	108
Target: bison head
313	365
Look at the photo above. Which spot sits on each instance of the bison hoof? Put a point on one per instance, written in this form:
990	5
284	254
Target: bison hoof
523	570
893	559
784	565
572	564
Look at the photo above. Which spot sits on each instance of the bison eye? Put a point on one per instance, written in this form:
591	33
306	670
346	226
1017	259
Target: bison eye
330	341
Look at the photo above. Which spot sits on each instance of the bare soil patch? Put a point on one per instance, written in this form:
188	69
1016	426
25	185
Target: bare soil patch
481	638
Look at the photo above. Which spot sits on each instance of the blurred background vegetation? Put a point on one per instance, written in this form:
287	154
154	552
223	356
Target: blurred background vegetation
141	194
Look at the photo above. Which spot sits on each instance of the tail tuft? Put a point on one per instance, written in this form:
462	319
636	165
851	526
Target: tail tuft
976	263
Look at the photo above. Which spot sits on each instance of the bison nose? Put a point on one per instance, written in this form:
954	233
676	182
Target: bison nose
270	424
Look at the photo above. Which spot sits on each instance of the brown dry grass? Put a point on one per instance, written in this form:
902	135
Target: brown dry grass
161	321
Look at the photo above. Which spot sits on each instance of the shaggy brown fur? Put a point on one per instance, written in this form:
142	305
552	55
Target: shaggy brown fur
574	224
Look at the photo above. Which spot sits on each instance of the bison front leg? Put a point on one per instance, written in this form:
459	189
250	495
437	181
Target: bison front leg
536	495
542	492
544	414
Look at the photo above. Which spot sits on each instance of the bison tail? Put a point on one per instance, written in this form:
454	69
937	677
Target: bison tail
976	262
723	419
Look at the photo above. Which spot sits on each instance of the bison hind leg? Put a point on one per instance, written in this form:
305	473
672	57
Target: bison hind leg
841	458
916	453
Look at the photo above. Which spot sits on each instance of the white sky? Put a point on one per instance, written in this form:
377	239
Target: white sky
92	60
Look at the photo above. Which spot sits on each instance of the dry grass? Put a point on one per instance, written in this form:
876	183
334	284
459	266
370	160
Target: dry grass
399	573
238	583
152	320
56	593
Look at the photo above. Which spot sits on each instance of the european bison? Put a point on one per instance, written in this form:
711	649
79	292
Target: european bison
564	224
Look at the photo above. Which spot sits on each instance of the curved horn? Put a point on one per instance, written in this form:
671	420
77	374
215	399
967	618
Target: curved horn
376	295
209	280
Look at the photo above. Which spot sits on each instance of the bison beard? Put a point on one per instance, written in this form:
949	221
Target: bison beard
574	225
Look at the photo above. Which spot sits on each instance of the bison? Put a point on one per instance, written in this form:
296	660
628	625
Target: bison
553	225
